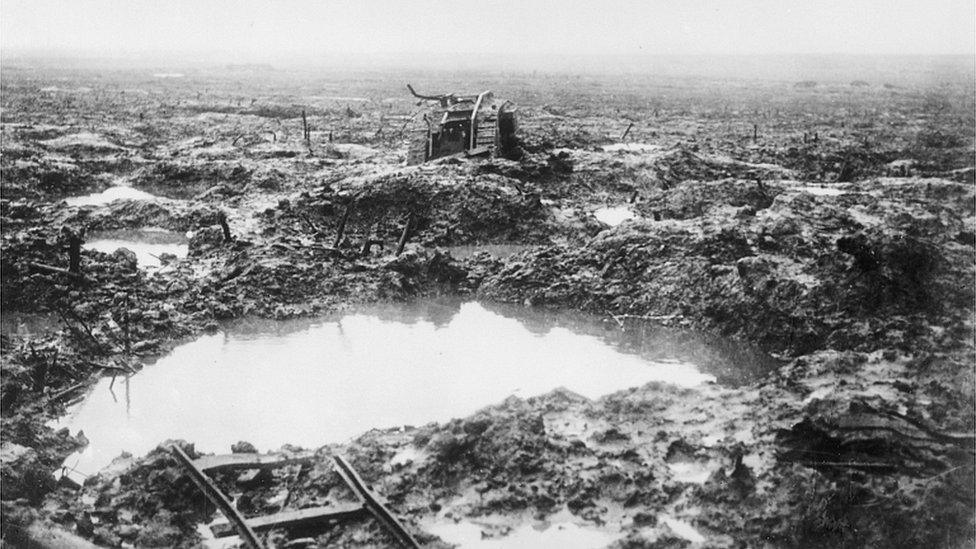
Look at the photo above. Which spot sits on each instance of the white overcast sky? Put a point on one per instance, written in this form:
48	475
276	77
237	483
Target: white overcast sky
261	29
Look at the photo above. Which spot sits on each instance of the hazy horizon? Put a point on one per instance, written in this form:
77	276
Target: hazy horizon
264	31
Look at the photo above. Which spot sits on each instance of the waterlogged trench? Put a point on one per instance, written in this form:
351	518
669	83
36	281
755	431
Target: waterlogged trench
309	383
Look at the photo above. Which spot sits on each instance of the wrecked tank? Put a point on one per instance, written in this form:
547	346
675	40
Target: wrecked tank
476	125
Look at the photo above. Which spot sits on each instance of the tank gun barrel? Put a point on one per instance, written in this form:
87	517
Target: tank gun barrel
446	100
427	97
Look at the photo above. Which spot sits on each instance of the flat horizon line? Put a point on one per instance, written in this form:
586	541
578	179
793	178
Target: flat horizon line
102	54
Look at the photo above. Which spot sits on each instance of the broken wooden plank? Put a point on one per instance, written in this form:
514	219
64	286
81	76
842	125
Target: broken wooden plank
372	504
292	519
56	270
230	462
218	498
69	390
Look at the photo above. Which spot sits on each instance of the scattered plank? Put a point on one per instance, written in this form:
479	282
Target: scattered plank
69	390
372	504
218	498
55	270
294	519
231	462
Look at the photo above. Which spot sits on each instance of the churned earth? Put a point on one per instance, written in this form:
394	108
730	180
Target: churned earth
837	237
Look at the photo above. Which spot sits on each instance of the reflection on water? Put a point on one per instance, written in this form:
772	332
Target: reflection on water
313	382
732	363
564	535
148	245
823	191
111	194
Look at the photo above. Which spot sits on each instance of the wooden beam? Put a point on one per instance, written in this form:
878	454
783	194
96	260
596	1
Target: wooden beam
293	519
230	462
218	498
372	504
56	270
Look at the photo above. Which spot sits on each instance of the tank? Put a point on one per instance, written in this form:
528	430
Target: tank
474	125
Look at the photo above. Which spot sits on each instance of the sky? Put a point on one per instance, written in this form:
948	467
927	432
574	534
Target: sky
264	29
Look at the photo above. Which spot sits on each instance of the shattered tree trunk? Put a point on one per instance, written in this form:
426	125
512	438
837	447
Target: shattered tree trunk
75	241
340	231
222	219
405	235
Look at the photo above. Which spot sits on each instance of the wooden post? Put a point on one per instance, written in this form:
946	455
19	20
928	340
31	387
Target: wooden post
405	234
41	366
125	325
75	240
305	131
624	136
222	219
755	132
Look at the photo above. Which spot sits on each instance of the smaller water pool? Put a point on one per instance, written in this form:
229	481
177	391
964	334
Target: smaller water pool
110	194
614	215
823	191
148	244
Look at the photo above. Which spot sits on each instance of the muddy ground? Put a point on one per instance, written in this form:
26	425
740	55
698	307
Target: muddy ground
832	225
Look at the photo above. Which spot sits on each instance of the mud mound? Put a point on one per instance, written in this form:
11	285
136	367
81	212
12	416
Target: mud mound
85	142
22	285
35	179
124	214
447	206
150	503
790	278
